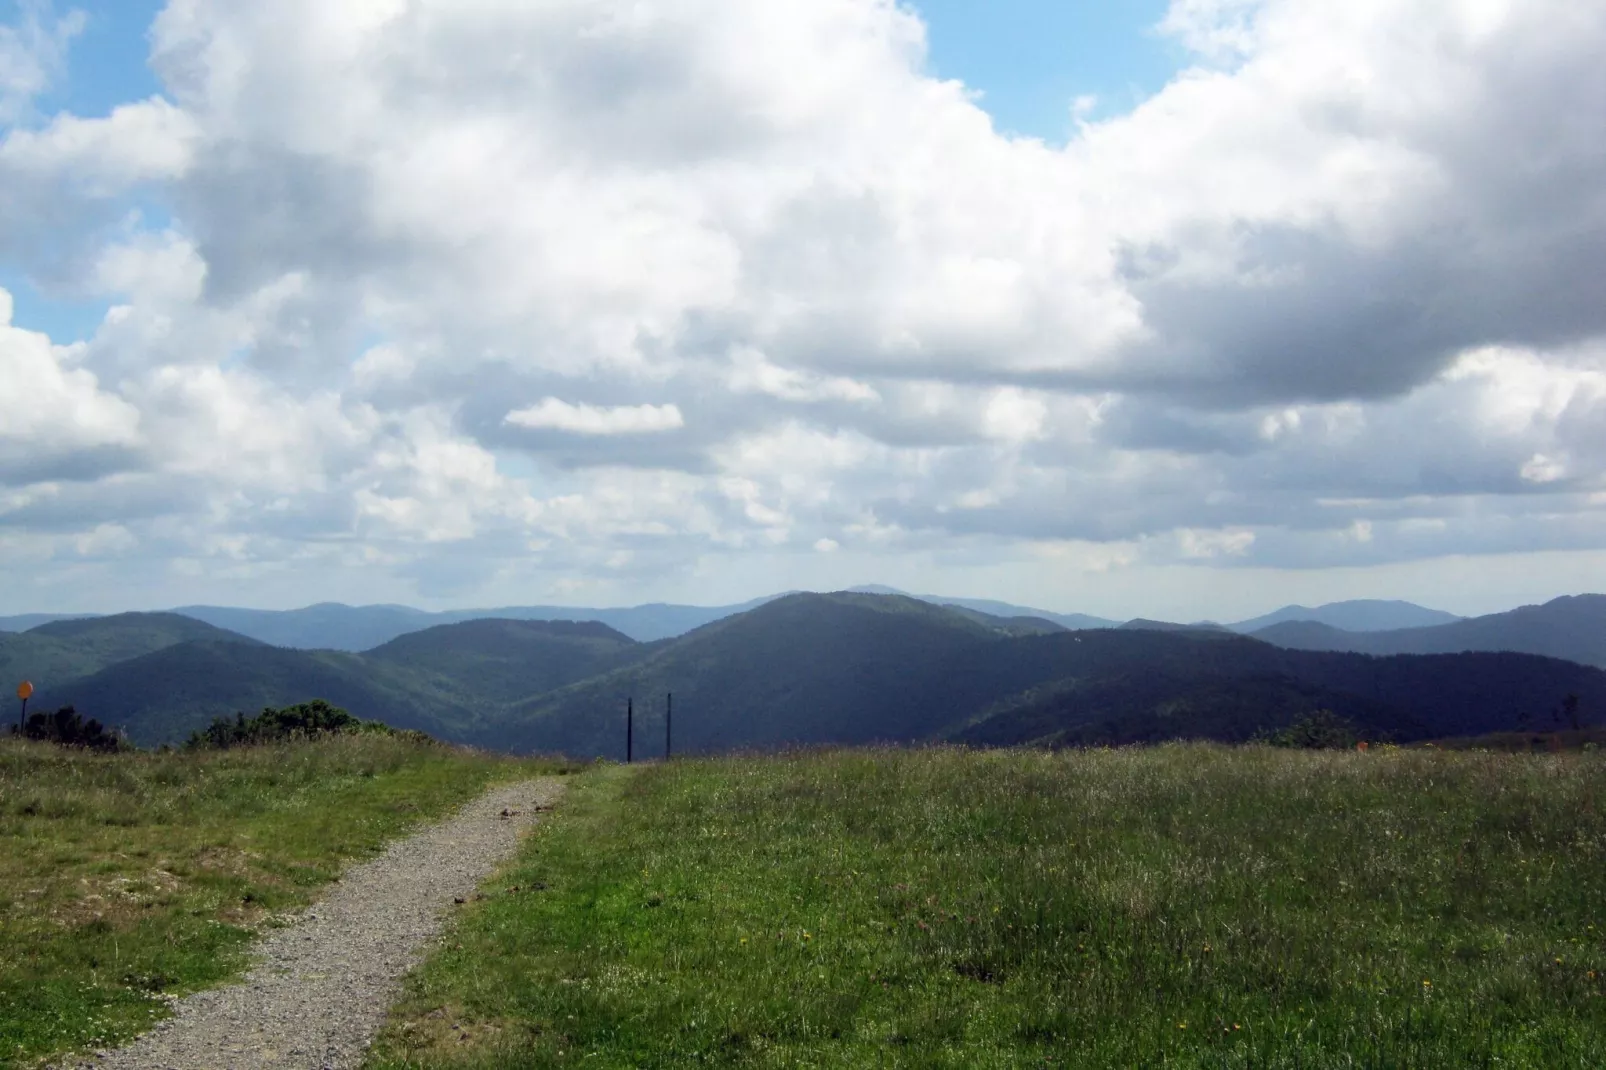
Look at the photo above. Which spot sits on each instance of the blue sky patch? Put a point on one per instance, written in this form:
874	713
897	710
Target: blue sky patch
1030	59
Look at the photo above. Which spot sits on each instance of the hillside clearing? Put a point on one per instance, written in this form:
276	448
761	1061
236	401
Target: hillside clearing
1185	905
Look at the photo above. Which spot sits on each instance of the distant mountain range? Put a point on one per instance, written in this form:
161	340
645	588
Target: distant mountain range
1139	624
1572	627
1363	615
802	669
333	626
23	621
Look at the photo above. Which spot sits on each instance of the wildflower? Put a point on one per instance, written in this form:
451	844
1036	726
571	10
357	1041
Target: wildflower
1182	1025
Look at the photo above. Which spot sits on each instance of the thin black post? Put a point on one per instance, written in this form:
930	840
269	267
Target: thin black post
669	716
630	730
22	718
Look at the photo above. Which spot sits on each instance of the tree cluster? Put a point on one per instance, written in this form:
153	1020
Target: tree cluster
67	728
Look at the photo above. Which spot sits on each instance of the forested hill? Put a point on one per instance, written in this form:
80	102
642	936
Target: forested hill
842	668
1247	691
128	635
509	660
51	654
453	681
164	696
858	668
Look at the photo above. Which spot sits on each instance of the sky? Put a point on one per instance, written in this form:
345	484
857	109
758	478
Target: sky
1182	310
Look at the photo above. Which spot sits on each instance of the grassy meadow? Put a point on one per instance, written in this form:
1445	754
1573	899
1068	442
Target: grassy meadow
128	879
1180	906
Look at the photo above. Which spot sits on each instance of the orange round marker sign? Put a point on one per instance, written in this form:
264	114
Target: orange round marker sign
25	691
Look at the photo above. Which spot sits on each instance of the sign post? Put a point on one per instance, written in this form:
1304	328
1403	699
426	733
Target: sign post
630	730
669	716
24	692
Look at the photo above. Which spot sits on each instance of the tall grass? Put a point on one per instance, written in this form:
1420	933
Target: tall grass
128	879
1184	906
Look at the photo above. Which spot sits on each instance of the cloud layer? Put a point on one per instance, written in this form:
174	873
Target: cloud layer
497	297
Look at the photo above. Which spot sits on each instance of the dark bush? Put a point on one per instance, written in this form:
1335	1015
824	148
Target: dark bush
306	720
67	728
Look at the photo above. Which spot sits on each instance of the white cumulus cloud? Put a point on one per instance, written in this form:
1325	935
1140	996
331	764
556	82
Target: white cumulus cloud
556	415
1331	297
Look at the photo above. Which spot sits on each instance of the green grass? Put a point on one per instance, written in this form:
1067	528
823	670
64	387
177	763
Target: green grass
128	879
1183	906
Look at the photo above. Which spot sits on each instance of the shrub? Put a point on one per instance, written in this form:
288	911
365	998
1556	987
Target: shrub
1322	730
305	720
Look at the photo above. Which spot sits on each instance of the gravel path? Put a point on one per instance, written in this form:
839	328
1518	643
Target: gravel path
324	983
